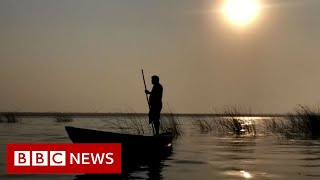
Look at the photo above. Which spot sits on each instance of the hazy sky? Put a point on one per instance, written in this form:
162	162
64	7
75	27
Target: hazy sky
86	55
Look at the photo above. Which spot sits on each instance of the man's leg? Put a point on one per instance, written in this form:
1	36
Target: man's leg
154	117
156	126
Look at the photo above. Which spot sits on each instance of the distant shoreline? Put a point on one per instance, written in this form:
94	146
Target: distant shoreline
130	114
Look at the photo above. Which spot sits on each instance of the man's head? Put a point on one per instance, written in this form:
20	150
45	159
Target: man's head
155	79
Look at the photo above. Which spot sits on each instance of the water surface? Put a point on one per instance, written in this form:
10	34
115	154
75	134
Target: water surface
196	155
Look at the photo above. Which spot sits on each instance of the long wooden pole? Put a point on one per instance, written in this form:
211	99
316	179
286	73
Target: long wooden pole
145	88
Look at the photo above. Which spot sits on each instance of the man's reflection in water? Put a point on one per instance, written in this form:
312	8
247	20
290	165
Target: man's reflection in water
155	169
152	167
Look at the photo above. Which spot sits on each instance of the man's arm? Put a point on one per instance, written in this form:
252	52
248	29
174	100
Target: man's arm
147	92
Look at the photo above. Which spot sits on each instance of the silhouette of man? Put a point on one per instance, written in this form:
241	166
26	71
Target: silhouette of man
155	102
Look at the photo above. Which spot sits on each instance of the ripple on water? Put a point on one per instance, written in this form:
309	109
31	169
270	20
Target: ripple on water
188	162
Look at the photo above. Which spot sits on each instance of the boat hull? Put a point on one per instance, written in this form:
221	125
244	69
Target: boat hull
136	149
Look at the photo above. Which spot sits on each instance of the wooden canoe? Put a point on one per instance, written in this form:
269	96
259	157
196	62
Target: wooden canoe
135	148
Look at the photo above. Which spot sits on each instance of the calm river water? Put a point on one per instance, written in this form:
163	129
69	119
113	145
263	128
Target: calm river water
195	155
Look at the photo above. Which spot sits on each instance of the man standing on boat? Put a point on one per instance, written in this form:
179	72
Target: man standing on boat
155	102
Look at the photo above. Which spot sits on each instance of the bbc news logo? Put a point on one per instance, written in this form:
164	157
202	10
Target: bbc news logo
95	158
40	158
58	158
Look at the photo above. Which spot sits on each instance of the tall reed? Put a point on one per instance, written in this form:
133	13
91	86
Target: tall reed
229	122
133	123
170	123
303	123
203	125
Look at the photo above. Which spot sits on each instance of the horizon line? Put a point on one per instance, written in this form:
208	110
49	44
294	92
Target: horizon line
135	113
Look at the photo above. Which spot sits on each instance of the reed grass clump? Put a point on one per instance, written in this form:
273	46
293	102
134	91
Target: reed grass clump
203	125
133	123
304	123
237	122
9	118
62	119
229	121
171	124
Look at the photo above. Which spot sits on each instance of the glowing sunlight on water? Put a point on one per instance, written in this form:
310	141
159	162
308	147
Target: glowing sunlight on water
246	174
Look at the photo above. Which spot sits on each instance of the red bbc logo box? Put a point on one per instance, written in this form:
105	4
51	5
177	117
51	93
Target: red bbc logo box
88	158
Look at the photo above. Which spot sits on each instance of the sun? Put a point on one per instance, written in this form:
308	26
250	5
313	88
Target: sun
241	12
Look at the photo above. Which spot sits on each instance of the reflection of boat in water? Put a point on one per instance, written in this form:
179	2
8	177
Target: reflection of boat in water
134	147
137	150
150	170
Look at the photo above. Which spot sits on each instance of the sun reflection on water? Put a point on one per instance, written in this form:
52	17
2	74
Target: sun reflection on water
246	174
